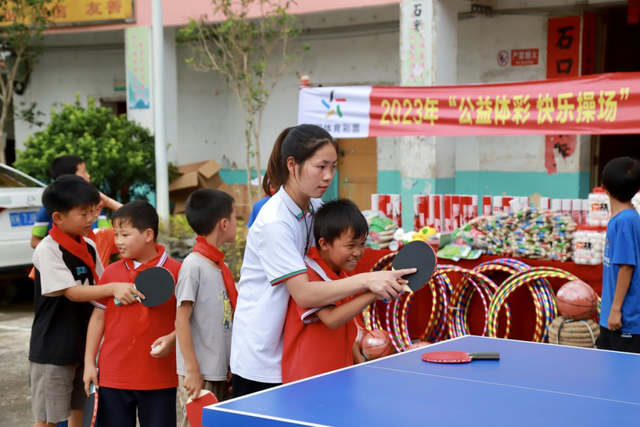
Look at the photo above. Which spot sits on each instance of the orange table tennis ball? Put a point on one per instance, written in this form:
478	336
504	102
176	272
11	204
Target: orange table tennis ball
576	300
376	344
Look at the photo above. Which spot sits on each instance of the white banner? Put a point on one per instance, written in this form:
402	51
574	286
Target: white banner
342	111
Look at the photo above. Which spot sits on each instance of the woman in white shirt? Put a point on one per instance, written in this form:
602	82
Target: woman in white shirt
302	166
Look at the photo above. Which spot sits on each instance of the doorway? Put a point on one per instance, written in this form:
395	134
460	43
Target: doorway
118	105
620	42
358	170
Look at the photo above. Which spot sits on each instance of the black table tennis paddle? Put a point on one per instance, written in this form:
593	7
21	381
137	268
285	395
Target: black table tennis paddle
420	255
156	284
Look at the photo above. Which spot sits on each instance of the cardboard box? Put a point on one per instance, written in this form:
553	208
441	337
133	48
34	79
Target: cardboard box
456	212
431	222
197	175
384	204
487	205
497	204
375	202
396	209
447	213
506	203
207	175
194	176
473	212
239	194
438	212
420	211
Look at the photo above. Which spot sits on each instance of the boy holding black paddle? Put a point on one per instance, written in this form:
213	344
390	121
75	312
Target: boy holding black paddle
137	361
206	297
66	269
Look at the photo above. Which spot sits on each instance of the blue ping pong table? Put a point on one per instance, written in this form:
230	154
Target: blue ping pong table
532	385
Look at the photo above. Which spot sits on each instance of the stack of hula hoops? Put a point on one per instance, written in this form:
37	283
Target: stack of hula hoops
451	300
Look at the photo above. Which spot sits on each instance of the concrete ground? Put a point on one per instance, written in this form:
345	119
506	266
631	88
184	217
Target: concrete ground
15	398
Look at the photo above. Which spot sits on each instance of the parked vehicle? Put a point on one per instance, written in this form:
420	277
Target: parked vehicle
20	200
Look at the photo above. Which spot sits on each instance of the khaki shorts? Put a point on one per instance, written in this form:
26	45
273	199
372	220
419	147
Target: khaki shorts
219	388
56	390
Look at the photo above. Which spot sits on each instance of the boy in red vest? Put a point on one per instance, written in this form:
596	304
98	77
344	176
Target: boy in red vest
322	339
134	380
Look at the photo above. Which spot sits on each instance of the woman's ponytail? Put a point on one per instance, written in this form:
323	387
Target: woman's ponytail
277	172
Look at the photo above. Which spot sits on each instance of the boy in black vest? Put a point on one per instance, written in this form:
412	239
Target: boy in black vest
66	268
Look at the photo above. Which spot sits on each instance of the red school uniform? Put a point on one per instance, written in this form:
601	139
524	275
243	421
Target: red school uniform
310	347
125	361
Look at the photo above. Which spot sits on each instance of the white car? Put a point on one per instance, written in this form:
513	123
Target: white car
20	200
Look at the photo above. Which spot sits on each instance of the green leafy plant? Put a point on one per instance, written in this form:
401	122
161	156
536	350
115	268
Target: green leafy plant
21	35
179	239
177	236
234	252
119	153
251	53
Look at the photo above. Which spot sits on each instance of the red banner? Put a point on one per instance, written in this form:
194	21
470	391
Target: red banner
563	47
600	104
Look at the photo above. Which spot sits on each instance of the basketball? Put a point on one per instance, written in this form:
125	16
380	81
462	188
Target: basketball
577	300
419	344
376	344
362	332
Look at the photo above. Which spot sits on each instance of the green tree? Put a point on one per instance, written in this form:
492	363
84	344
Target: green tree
119	153
21	33
251	51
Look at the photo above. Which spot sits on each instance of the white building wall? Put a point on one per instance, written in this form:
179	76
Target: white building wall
70	68
480	40
209	118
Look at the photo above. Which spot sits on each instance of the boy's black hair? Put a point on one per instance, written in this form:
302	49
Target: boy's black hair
140	214
337	217
206	207
65	165
621	178
68	192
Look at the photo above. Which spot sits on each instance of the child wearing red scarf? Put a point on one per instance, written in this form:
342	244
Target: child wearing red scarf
66	269
137	363
206	297
322	339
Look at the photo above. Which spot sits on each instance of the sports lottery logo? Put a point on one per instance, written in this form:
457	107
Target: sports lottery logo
333	105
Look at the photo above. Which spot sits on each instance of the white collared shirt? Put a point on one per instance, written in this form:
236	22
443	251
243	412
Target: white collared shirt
274	253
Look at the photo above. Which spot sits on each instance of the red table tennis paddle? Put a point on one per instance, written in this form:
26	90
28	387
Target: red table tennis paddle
90	411
420	255
457	356
195	407
156	284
